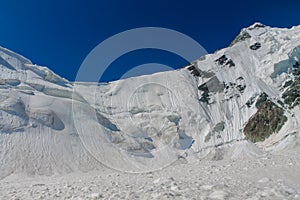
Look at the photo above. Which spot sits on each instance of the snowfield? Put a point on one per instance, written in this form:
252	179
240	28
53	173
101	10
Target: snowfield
270	177
224	127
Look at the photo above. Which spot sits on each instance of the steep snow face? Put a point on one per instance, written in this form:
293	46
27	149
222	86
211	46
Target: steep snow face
146	122
261	63
49	125
37	135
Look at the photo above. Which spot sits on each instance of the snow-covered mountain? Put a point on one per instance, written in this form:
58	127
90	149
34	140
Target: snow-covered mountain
240	101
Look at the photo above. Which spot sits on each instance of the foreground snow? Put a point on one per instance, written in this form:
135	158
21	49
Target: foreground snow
269	177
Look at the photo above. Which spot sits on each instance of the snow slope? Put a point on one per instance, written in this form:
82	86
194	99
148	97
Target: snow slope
49	125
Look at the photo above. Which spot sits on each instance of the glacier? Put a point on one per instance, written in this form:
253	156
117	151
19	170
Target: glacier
50	125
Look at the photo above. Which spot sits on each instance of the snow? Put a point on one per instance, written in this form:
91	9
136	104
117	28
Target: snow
152	127
260	178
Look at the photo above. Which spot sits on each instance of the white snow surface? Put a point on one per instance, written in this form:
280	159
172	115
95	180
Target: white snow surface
50	126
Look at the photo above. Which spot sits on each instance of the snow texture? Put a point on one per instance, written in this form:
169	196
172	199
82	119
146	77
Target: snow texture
51	126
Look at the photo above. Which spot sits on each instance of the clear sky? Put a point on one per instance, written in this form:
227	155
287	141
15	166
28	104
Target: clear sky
60	34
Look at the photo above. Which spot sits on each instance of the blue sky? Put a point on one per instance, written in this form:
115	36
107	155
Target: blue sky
60	34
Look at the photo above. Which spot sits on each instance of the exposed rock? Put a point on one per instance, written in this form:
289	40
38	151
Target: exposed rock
291	95
268	120
251	101
199	73
255	46
213	85
230	63
241	37
222	60
263	97
193	70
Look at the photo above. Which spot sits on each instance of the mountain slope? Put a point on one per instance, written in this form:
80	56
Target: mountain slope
214	107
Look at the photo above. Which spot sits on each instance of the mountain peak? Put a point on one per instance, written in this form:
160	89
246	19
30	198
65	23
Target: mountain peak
256	25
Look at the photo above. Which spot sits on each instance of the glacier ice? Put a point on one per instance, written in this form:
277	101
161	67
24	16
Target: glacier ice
50	125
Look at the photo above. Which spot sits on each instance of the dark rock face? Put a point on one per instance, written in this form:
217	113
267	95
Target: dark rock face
241	85
230	63
241	88
267	120
224	61
221	60
194	70
235	89
263	97
292	95
291	87
205	96
251	101
255	46
241	37
199	73
213	85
